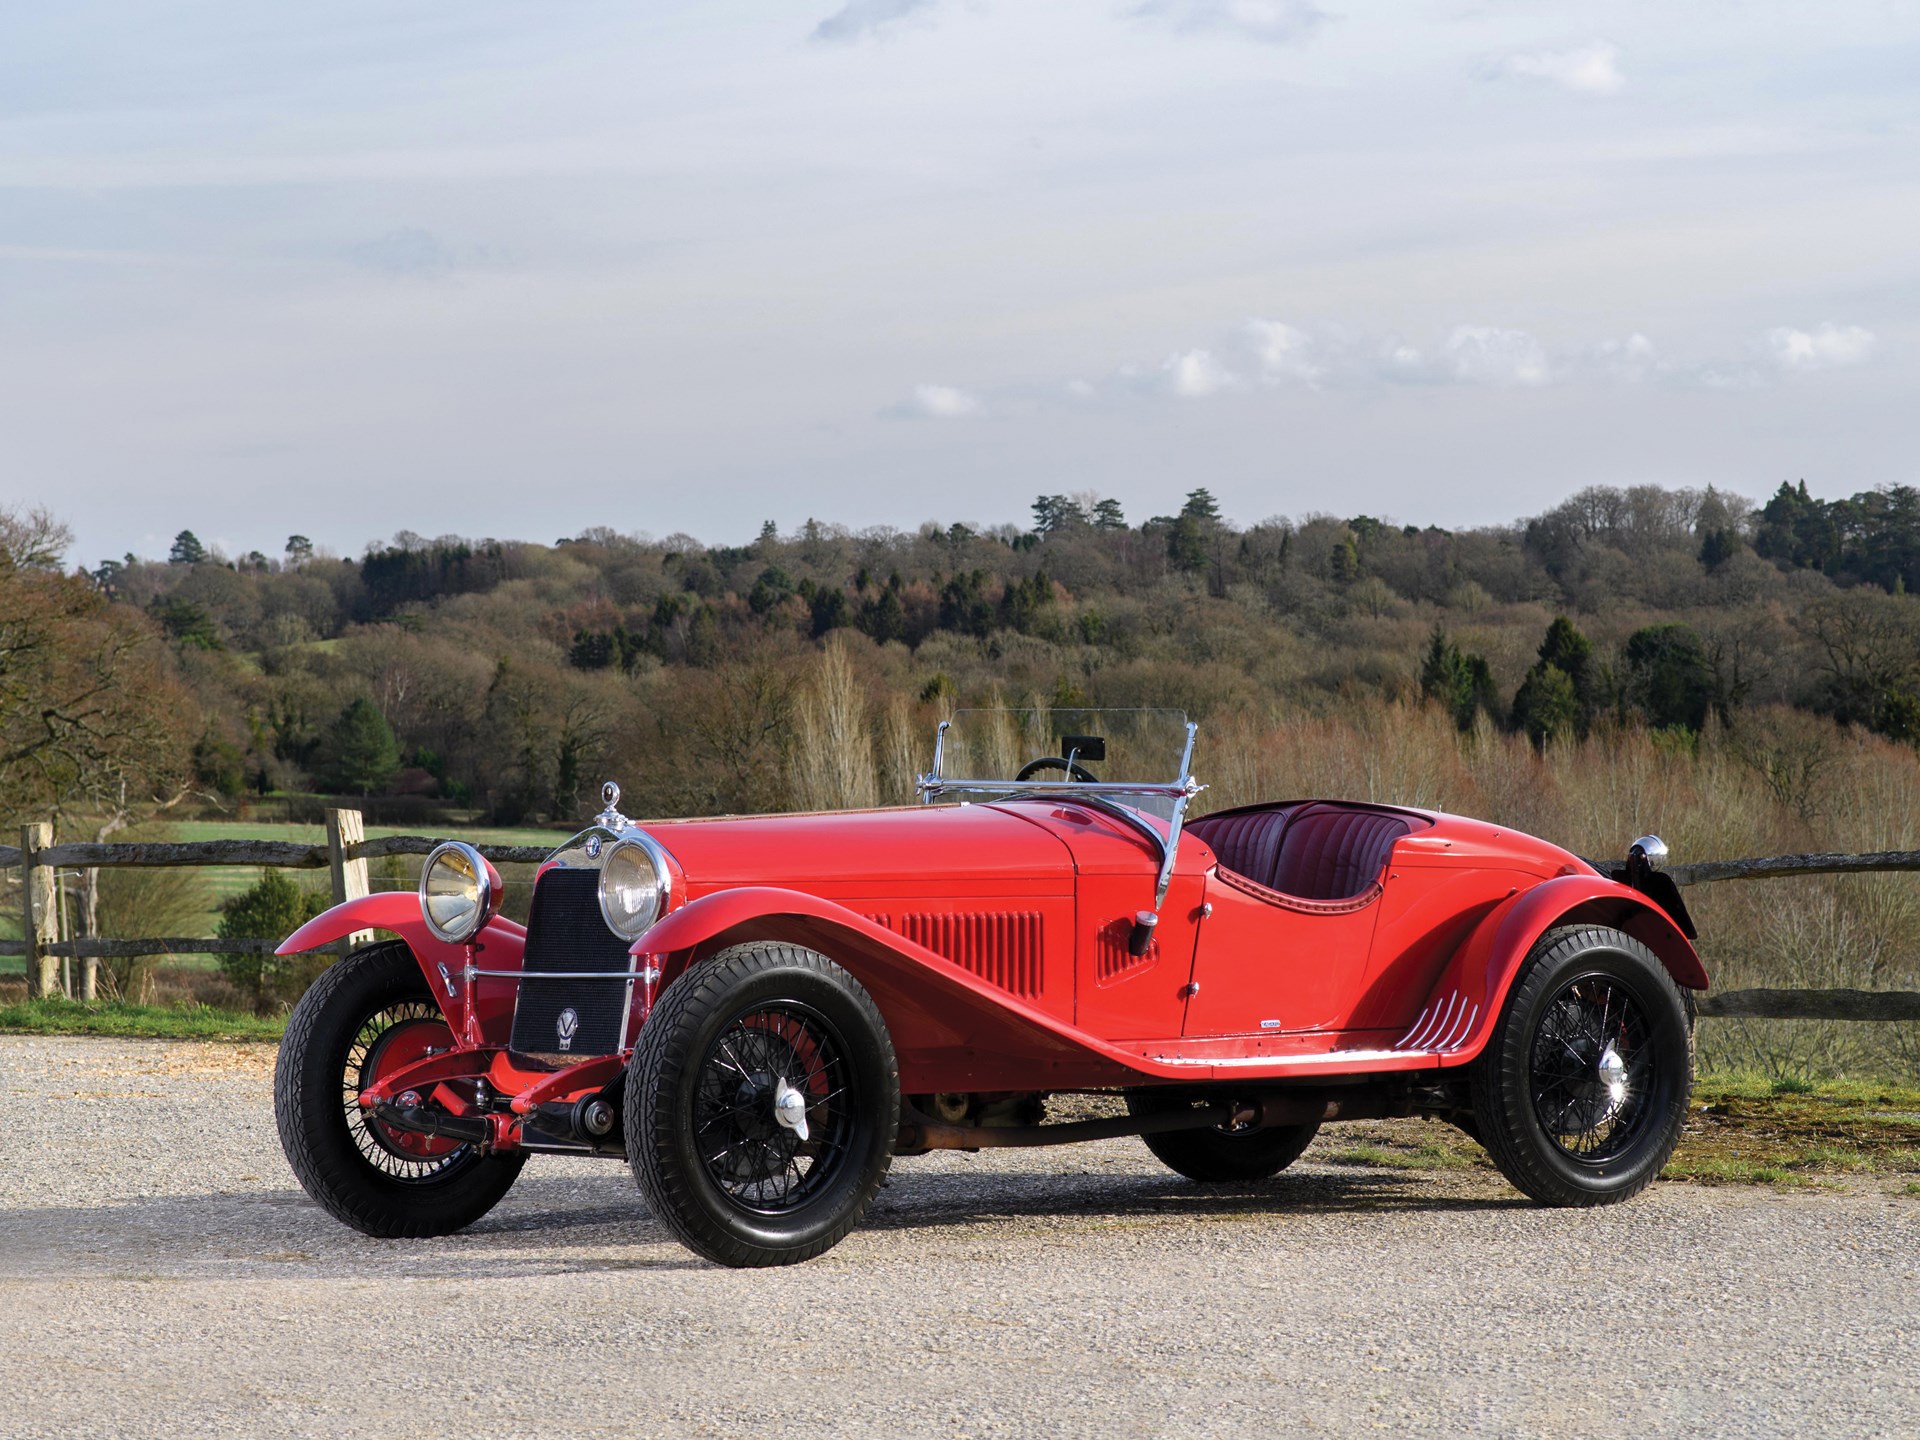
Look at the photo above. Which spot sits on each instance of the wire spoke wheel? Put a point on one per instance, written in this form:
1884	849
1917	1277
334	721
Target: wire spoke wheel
387	1040
366	1018
1590	1067
760	1162
762	1104
1581	1092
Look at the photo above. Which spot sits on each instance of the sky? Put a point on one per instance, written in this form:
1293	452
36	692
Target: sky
499	269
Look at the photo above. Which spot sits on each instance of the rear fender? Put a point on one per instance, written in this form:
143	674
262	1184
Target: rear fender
1467	1000
951	1030
500	946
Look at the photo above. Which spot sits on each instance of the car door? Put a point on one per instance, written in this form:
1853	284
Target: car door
1265	962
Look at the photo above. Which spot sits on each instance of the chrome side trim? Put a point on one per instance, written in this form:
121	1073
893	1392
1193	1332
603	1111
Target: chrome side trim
1331	1057
473	973
1442	1027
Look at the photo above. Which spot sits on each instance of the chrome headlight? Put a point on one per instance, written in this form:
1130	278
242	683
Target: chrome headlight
458	892
633	885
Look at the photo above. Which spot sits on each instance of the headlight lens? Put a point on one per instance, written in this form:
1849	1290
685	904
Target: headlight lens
633	887
458	890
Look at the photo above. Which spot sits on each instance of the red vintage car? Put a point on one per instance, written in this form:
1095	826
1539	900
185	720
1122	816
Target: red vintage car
759	1013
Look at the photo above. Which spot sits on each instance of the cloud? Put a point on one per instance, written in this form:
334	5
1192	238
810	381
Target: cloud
1488	355
1831	347
1262	353
1284	352
1274	22
936	402
1586	69
1196	374
859	18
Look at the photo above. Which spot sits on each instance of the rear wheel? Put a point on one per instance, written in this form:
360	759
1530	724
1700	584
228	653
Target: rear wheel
1218	1154
762	1105
1582	1091
362	1020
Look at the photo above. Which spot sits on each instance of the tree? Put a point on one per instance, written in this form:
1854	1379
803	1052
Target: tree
299	549
359	754
1546	705
88	698
1344	559
1570	654
1201	505
772	589
187	549
1668	678
1461	683
1056	512
1187	544
1107	515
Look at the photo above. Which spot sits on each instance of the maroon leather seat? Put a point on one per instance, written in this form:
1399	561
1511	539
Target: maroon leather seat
1316	851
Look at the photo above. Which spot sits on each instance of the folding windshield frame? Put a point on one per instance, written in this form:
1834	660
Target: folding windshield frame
1181	790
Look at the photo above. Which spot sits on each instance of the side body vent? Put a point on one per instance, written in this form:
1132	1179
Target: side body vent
1002	947
1111	961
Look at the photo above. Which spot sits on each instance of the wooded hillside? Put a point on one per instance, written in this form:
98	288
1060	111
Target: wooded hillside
510	677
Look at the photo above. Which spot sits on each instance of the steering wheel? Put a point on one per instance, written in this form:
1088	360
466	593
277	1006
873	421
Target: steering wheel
1074	770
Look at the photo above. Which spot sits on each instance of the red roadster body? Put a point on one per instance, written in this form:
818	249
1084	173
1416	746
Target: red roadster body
805	996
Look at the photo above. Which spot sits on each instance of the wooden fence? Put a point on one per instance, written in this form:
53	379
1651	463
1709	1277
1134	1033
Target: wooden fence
346	850
344	855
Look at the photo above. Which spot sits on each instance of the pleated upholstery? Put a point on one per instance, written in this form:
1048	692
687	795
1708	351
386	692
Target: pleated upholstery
1247	844
1314	852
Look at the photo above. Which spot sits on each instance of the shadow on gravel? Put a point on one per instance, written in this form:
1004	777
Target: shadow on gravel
574	1224
914	1202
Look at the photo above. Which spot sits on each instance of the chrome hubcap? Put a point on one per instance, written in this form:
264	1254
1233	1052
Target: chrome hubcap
790	1108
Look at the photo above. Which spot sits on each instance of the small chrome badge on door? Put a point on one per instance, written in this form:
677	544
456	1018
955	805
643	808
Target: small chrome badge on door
567	1027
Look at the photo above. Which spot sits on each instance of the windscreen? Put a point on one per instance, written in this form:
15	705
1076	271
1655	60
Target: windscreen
1141	746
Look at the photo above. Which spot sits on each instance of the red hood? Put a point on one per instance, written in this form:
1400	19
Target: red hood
975	843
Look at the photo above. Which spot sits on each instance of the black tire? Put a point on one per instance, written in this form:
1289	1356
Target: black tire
352	1165
1566	1125
1217	1156
721	1041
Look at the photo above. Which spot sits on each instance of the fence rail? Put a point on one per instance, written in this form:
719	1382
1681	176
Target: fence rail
346	851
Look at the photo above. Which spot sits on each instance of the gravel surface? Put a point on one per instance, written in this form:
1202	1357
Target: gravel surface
161	1274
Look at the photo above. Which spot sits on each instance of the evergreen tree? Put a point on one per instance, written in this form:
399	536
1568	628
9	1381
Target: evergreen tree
187	549
1462	683
360	754
1107	515
299	549
1201	506
1546	705
1056	512
1668	677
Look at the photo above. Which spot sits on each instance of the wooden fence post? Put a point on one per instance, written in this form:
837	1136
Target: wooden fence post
41	919
347	828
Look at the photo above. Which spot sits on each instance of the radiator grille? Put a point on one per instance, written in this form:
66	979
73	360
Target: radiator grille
565	931
1002	947
1111	962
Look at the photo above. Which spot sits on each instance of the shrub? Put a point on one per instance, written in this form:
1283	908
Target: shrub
270	910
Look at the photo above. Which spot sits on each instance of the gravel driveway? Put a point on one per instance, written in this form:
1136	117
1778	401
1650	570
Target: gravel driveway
161	1274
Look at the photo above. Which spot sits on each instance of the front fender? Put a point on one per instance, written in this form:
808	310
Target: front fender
501	941
1466	1002
951	1030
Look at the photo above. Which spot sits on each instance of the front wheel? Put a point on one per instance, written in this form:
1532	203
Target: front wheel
762	1105
363	1019
1582	1091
